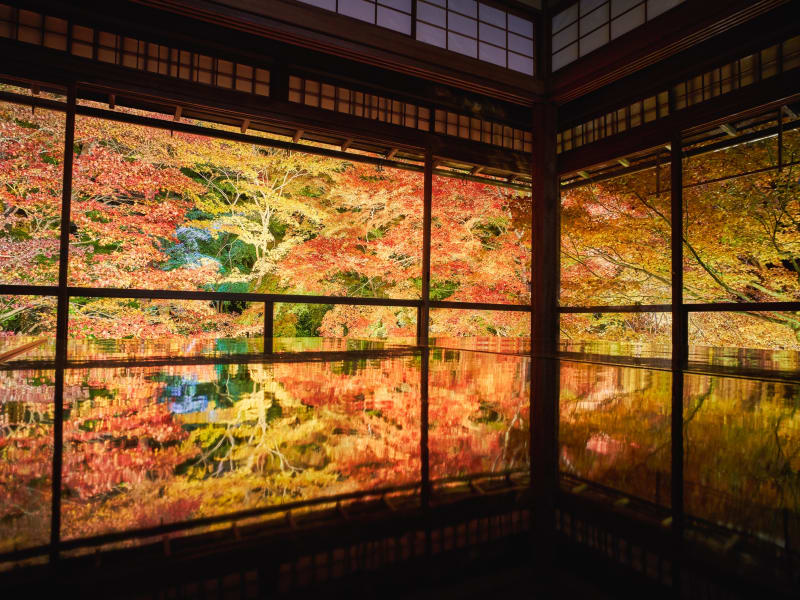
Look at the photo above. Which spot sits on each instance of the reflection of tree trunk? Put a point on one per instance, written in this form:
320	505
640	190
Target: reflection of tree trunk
506	438
687	419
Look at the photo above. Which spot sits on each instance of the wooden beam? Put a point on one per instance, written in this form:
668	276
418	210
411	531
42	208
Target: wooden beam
346	144
728	129
768	93
789	112
624	162
152	92
391	153
112	101
297	135
178	112
245	125
476	170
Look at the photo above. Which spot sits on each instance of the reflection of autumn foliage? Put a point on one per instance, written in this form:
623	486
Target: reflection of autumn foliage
26	449
741	442
142	445
372	409
742	453
117	439
615	427
478	412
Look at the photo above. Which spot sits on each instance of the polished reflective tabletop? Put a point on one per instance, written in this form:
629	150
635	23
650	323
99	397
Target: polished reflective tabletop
173	430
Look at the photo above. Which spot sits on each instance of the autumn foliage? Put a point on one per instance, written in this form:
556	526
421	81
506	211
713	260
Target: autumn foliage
740	236
161	210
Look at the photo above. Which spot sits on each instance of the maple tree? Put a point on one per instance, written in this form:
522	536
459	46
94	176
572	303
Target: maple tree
741	244
31	159
155	209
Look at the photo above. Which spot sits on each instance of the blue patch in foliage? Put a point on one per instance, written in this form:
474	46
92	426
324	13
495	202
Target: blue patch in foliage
187	252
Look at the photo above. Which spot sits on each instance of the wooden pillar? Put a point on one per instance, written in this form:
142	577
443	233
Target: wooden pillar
423	312
62	321
680	350
269	325
544	329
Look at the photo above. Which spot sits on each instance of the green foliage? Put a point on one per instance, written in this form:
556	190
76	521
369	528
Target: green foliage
300	320
441	290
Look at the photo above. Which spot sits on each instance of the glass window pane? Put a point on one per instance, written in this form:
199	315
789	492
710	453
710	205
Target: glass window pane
771	335
740	216
398	323
480	242
594	40
128	327
657	7
465	7
358	9
620	6
327	4
565	56
27	327
520	44
392	19
493	330
565	17
492	54
431	35
462	25
431	14
615	241
520	26
402	5
588	6
641	334
488	14
31	179
593	20
493	35
520	63
615	428
160	211
626	22
462	45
